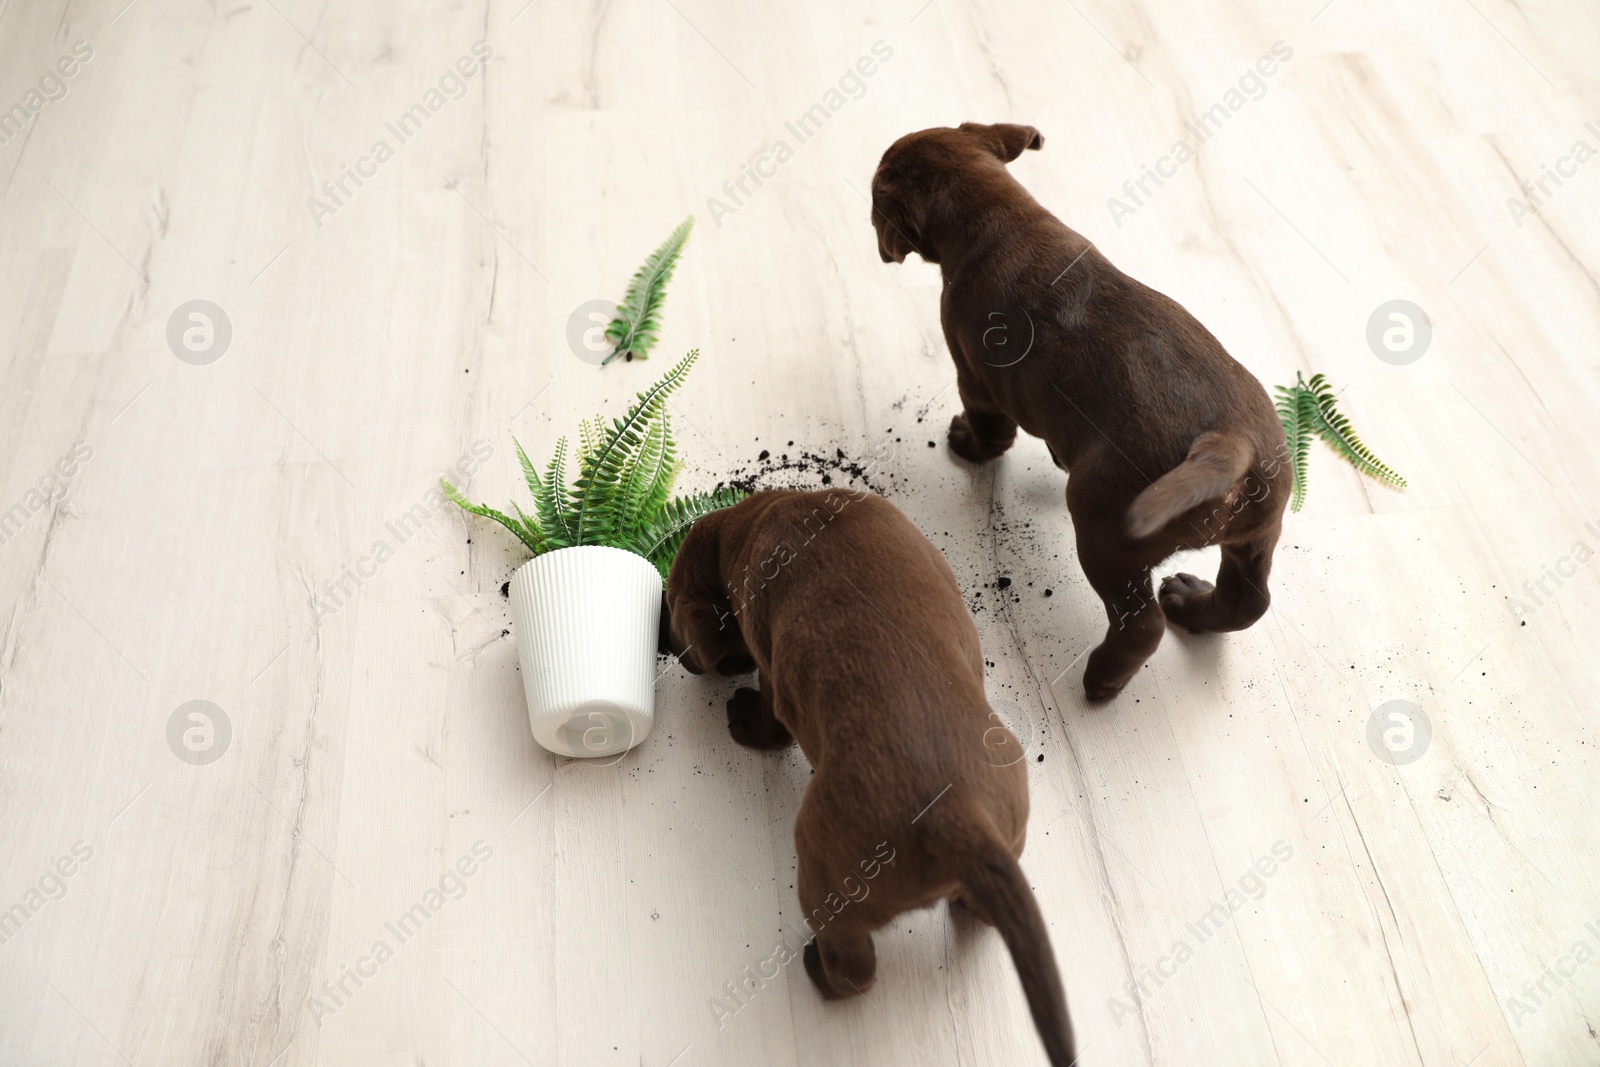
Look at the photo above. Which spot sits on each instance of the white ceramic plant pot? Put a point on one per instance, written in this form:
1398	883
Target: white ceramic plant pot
586	621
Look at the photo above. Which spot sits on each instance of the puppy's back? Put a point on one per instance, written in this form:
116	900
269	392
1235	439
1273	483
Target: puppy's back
859	598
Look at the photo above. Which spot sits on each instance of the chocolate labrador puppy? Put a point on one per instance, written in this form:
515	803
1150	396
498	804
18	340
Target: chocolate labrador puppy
868	658
1170	444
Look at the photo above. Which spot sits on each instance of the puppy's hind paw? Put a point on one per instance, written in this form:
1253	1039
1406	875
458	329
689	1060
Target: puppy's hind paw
744	715
1103	678
749	726
965	442
961	905
1098	692
813	958
1185	600
819	977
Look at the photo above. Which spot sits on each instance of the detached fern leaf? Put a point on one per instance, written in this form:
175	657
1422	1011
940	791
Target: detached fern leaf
1307	408
637	325
1295	414
1335	429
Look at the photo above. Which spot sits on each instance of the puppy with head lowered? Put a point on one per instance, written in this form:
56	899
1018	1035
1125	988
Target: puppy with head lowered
1169	443
868	658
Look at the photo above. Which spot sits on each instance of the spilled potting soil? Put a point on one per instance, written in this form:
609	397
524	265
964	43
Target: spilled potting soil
790	467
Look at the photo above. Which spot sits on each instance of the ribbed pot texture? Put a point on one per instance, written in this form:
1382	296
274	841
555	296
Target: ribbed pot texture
586	621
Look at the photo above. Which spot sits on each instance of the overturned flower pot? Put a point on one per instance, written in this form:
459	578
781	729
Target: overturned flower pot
586	625
587	606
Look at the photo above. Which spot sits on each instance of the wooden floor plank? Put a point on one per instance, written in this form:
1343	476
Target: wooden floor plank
259	532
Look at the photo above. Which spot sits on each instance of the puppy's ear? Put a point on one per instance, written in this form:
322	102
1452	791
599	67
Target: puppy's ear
1005	139
703	627
895	222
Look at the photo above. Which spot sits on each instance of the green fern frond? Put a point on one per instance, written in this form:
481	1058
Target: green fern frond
637	324
1307	408
528	534
661	538
1293	412
1307	411
533	525
529	474
593	438
589	431
621	496
596	489
551	502
649	483
1335	429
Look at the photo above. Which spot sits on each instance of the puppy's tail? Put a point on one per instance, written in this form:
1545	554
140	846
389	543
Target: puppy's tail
961	833
1215	462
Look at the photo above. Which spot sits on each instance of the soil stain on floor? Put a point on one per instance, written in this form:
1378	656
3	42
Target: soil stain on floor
797	467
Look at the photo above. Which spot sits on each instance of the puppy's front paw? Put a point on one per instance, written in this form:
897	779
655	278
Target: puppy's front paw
1185	599
965	442
736	663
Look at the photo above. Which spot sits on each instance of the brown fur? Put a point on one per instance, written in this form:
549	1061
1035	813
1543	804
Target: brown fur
868	658
1170	444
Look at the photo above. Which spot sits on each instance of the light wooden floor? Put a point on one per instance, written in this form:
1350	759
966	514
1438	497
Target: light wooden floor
1445	912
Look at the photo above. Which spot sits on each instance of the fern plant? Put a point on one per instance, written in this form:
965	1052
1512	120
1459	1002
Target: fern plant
1307	408
633	332
622	495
